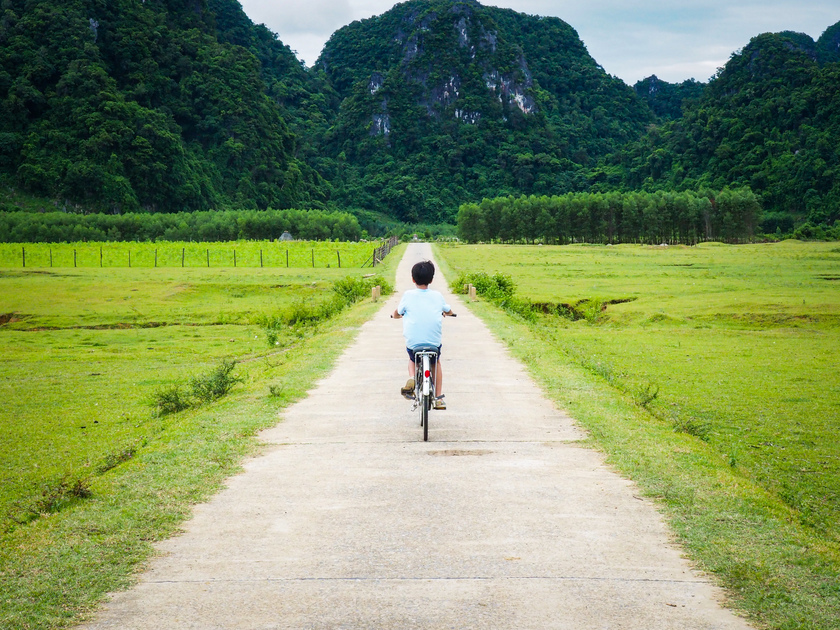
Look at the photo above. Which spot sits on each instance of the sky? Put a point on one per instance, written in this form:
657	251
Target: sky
631	39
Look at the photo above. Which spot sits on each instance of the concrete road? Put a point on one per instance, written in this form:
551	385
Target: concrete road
351	521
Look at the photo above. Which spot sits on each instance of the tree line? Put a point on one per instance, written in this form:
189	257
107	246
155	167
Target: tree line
730	215
206	226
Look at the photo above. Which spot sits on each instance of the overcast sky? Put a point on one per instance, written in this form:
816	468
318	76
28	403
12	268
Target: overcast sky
631	39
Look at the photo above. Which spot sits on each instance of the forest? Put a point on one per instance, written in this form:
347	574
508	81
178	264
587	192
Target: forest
183	106
654	218
199	226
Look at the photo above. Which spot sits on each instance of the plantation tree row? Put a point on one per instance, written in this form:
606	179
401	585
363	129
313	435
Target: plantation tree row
635	217
61	227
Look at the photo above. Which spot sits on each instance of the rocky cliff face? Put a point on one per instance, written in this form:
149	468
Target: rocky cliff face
450	54
511	91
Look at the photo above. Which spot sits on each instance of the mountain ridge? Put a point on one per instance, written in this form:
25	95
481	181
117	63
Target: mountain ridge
172	105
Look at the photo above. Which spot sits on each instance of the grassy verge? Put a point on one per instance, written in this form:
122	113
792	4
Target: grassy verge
92	475
712	366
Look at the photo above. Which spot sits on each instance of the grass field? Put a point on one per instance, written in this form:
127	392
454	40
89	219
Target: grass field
90	473
733	350
290	254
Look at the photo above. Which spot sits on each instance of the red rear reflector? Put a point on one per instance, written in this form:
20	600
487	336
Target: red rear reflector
428	374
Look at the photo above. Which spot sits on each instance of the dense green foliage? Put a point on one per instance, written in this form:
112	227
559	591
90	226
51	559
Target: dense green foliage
446	101
186	105
769	120
58	227
684	217
161	106
668	99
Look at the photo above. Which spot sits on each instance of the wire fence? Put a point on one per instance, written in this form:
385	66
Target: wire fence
380	252
291	254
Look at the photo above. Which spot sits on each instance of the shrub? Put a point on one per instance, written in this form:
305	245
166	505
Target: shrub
347	291
170	400
352	289
495	287
217	383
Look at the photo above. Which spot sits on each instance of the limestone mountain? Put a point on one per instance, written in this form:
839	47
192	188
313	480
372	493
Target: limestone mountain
169	105
449	100
769	120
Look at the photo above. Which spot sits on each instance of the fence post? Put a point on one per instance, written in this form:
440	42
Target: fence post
182	255
50	256
155	256
373	258
129	259
472	293
208	258
338	253
234	258
100	255
23	253
261	263
313	259
74	257
287	259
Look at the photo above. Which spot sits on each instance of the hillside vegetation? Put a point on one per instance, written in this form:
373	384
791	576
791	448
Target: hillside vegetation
769	120
184	105
159	106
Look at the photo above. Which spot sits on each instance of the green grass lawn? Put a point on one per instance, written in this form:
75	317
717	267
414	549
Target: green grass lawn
734	348
90	473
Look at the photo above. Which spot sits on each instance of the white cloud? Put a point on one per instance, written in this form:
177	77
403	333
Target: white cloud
304	26
311	16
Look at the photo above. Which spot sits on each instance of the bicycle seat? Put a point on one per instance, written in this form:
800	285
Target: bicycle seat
425	349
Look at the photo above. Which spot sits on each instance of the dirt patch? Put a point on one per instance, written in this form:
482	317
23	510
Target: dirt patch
578	310
9	318
459	453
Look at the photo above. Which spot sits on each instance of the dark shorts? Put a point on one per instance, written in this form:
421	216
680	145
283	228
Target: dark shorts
411	353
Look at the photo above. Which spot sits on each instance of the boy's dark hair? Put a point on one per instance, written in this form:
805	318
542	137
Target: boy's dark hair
423	272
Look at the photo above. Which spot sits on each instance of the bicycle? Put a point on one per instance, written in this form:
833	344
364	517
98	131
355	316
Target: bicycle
425	358
424	384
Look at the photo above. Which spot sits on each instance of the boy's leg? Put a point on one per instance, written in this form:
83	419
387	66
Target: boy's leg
408	390
439	402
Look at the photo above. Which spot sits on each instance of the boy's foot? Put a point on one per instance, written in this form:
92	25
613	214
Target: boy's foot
408	390
440	403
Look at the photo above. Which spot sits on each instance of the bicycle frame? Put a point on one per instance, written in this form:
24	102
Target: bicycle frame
424	385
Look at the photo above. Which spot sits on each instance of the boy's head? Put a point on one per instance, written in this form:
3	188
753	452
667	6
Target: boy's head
423	273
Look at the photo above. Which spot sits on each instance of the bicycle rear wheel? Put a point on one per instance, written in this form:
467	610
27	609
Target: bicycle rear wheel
425	404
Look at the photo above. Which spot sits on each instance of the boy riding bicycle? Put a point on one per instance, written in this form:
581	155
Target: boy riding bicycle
423	310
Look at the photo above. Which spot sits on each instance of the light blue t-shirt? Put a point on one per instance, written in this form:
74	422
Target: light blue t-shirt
422	312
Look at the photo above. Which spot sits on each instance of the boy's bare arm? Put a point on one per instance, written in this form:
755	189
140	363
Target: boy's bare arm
396	315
